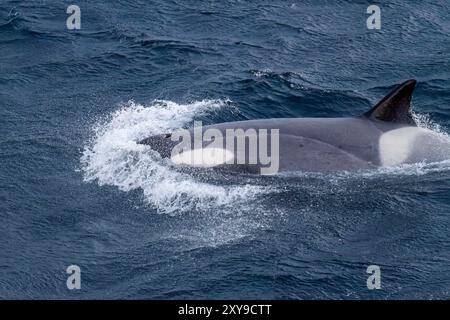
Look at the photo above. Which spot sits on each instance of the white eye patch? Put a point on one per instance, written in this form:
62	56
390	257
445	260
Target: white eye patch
207	157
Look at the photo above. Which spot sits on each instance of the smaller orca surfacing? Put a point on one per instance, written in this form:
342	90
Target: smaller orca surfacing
386	135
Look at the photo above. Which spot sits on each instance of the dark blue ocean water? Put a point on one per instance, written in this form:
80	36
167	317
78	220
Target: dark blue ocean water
76	189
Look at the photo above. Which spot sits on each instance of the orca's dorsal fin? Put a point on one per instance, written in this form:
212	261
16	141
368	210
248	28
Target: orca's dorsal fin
395	107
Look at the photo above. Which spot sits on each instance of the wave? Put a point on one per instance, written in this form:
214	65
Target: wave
113	157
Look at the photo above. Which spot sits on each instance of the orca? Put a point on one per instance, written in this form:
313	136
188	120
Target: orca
384	136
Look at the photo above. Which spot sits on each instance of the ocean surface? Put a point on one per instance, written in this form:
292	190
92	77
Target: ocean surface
76	189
